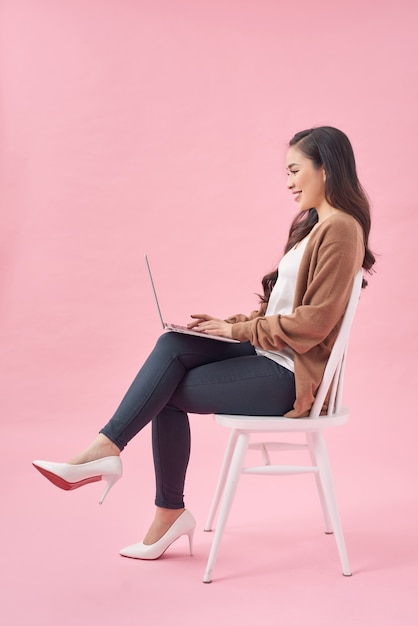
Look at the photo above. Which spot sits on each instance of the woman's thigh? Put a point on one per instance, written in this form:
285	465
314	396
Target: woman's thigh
253	385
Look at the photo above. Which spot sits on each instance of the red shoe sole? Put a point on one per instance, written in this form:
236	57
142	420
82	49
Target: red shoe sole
64	484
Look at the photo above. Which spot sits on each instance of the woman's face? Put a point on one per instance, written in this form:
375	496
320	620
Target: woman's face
306	183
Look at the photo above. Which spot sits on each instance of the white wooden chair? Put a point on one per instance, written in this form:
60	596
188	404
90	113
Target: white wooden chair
313	427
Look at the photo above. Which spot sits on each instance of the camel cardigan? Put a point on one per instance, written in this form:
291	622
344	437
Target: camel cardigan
333	256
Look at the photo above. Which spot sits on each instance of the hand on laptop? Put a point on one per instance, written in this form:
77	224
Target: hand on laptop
212	325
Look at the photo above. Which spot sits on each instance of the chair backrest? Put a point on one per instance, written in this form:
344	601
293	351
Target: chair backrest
334	370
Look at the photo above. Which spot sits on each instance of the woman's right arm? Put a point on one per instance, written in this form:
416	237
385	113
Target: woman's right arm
199	318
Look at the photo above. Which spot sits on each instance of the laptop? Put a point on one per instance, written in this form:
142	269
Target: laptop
176	327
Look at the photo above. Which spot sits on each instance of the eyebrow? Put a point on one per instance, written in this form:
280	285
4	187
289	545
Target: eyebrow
292	165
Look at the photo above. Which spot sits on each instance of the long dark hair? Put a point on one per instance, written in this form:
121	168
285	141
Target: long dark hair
329	147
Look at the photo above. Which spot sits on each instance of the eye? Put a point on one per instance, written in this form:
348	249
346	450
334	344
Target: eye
292	172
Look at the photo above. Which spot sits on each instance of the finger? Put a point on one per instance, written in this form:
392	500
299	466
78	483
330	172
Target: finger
201	316
203	327
193	324
208	327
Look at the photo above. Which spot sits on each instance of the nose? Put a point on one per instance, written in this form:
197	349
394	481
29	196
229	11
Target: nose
290	182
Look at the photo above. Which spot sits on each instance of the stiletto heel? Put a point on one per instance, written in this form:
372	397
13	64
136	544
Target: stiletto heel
190	534
184	525
68	477
110	481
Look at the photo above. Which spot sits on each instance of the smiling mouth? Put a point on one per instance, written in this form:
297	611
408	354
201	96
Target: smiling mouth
296	195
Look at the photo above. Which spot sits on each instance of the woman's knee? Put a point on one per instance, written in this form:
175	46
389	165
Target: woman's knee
168	341
171	344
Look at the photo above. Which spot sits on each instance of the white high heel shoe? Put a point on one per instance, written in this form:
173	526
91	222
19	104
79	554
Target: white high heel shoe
184	525
67	476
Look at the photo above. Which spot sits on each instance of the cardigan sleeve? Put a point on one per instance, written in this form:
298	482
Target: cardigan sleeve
331	260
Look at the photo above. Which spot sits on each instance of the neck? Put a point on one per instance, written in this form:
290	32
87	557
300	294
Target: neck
325	211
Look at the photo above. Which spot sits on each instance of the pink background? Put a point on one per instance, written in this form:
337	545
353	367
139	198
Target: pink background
161	126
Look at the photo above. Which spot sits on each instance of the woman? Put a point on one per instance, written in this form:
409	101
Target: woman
276	367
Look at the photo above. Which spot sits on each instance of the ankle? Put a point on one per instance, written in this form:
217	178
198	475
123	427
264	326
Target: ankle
163	520
101	447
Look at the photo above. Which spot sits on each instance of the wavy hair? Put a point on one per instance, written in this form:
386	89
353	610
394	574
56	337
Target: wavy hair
329	147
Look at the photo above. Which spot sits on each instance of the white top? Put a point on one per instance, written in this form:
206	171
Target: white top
281	299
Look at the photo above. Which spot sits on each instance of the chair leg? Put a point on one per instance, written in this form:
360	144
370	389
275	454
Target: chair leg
231	485
327	519
322	460
226	463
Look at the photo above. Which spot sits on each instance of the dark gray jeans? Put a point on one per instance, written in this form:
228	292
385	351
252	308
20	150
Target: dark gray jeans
187	374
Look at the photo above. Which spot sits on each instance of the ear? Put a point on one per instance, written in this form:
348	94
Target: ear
324	174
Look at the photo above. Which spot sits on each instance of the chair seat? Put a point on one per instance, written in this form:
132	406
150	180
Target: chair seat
267	424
